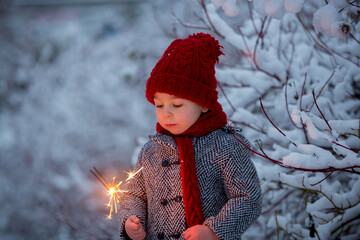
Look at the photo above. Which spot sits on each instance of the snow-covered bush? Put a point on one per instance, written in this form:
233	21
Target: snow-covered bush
67	74
291	79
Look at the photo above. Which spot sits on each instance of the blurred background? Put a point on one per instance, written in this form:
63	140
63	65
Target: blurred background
72	84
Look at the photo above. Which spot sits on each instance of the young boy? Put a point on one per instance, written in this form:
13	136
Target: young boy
197	180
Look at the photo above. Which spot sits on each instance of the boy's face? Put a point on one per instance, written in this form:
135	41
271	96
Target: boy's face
176	114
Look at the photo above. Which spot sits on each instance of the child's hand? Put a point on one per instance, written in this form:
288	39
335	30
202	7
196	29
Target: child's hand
134	229
200	232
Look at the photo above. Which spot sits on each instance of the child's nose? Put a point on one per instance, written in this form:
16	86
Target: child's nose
167	112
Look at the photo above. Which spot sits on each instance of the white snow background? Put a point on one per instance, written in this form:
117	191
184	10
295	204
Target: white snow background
72	82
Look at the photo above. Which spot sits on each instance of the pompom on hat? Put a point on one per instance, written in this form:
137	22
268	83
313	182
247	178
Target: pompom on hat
187	70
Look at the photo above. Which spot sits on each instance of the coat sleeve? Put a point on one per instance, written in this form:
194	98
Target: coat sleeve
133	201
243	189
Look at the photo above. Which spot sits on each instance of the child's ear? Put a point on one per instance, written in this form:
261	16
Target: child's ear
204	110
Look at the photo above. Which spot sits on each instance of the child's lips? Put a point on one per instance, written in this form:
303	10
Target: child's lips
170	124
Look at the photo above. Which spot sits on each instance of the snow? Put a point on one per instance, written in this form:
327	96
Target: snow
313	157
325	19
273	6
223	28
231	8
218	3
259	6
73	98
293	6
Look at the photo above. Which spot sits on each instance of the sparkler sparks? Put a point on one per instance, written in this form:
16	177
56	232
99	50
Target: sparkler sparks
113	189
131	174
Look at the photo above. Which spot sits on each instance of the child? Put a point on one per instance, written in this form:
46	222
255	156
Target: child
197	180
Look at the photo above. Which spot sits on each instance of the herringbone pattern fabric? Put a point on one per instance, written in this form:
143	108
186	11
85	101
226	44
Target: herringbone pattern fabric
229	187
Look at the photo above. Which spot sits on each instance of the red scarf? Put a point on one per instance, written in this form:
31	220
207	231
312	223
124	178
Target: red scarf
207	123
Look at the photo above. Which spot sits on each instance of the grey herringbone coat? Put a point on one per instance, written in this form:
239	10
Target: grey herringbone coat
229	187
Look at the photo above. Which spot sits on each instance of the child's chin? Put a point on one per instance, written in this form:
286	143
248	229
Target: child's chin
175	132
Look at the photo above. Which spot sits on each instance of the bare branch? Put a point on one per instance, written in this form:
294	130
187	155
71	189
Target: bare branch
349	169
262	107
227	99
287	104
320	111
302	92
260	36
322	88
203	5
188	25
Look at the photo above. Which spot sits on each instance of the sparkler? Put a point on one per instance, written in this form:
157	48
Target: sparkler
113	189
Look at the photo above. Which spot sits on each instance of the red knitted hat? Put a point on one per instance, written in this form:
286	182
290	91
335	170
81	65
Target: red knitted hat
187	70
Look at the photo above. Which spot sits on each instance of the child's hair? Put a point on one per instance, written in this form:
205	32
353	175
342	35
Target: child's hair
187	70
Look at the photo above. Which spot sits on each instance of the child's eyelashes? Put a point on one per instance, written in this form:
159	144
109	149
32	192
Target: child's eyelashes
174	105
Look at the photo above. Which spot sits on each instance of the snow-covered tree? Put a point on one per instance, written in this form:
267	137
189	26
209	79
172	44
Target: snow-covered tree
72	80
291	79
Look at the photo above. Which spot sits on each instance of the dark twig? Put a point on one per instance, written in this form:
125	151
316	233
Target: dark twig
336	53
301	109
259	144
255	99
353	37
260	36
277	202
304	130
252	18
320	111
352	4
224	84
310	35
262	107
243	38
226	97
279	41
287	104
203	5
322	88
345	223
314	184
265	31
329	169
348	6
248	125
302	92
188	25
345	147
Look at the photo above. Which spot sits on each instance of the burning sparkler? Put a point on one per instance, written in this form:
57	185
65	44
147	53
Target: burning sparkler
113	189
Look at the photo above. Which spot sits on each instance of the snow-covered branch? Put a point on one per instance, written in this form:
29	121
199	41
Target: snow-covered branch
289	82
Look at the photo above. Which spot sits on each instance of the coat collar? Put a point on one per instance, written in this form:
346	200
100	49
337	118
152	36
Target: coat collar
164	139
169	141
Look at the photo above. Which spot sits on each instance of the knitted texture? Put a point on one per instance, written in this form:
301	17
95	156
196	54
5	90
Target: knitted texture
191	193
190	185
228	183
187	70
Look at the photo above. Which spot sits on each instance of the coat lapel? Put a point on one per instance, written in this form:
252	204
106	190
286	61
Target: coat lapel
163	139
